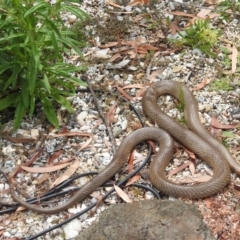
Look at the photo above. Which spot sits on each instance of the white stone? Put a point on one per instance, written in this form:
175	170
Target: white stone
72	229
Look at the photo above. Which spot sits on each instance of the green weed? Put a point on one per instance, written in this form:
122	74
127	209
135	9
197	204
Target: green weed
32	44
199	35
233	5
221	84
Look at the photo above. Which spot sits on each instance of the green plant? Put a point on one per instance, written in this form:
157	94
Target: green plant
199	35
221	84
32	66
226	62
233	5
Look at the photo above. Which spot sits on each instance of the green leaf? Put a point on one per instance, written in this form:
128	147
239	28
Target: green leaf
63	101
36	7
13	78
35	54
32	75
78	81
31	57
49	110
7	101
228	134
54	43
70	44
76	11
25	93
19	114
6	57
70	90
46	83
52	26
9	37
32	105
5	66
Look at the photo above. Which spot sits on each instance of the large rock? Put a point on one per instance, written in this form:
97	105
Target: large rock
149	220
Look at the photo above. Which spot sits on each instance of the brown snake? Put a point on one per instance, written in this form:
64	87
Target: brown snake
195	138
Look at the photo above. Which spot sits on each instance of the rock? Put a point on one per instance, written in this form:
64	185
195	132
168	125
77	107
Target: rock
149	220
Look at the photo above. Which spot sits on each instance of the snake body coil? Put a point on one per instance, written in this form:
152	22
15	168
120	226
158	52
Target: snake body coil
195	138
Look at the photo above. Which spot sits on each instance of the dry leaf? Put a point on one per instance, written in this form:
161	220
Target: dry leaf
214	2
14	238
44	169
123	93
19	209
136	2
54	156
204	12
113	4
213	15
192	168
20	140
215	124
136	125
141	50
174	28
108	45
134	45
204	82
115	57
215	131
122	49
140	93
99	198
207	202
190	153
130	162
67	174
110	114
178	169
69	134
43	178
237	187
122	12
132	54
192	21
178	13
32	160
122	194
85	144
153	75
133	180
138	85
153	146
234	58
198	179
202	179
61	162
149	47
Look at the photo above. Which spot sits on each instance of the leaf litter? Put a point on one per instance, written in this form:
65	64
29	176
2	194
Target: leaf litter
220	212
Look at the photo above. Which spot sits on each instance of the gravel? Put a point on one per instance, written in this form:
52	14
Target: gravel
188	65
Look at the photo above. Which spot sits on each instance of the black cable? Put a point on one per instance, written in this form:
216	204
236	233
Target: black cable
50	194
104	197
53	193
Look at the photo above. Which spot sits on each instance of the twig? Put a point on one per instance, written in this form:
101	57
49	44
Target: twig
105	120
